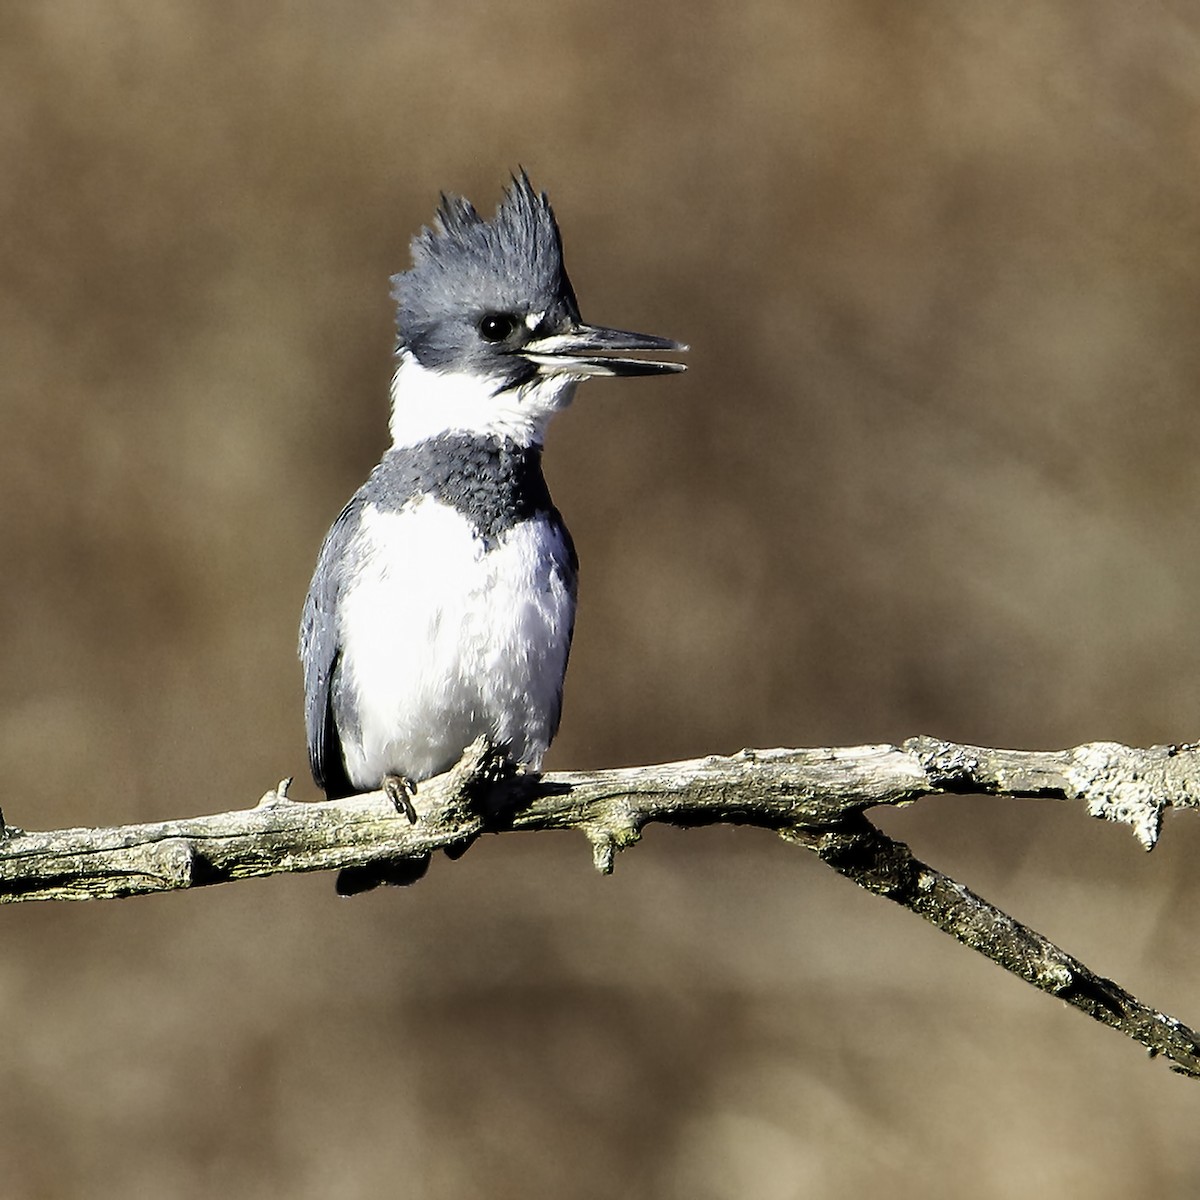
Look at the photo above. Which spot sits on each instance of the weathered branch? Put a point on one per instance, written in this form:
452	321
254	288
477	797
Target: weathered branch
813	798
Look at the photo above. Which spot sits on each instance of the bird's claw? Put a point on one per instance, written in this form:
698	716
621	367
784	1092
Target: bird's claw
400	791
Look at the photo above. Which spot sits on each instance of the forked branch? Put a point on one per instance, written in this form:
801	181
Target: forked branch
817	799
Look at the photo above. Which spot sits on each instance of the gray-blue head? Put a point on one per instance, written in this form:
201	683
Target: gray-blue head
490	302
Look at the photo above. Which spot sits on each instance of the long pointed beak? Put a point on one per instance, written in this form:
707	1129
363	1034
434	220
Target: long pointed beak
593	350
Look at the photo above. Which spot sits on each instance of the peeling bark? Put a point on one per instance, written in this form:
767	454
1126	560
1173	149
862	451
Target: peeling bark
817	799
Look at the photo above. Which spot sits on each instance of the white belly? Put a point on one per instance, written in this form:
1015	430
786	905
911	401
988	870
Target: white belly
444	640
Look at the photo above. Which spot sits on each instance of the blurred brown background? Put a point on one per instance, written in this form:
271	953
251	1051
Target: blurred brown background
933	470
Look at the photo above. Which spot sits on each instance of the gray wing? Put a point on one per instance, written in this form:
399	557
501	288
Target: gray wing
568	571
320	650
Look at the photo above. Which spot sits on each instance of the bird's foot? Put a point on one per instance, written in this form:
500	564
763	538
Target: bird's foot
400	791
397	872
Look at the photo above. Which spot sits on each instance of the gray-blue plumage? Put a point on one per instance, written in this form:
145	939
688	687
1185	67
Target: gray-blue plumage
492	482
465	266
443	601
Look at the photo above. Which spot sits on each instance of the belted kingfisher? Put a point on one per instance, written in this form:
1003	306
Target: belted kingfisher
443	601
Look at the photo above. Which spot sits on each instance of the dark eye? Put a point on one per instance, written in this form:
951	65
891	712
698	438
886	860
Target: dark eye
495	327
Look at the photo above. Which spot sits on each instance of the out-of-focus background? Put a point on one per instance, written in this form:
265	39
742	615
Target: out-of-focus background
933	469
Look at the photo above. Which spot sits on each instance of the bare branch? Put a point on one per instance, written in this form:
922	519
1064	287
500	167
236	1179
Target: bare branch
814	798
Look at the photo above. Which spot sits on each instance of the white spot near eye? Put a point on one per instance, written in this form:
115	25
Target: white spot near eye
533	320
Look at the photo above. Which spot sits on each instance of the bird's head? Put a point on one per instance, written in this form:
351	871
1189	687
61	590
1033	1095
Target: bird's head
489	336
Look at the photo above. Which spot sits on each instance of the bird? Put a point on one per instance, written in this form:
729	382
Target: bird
442	606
